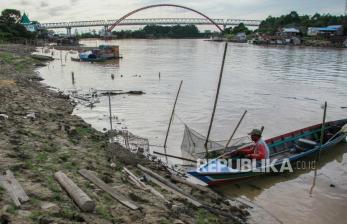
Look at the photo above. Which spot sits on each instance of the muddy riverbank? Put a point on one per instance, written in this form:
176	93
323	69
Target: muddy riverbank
40	136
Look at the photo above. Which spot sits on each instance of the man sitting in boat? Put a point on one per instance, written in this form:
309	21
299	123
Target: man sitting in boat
260	150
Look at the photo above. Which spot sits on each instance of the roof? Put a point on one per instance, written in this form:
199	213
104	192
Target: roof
25	19
335	26
331	28
290	30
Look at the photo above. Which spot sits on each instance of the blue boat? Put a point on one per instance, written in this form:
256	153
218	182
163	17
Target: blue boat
103	53
286	148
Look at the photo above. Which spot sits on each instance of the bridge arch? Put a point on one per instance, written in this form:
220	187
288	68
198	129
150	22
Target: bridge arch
163	5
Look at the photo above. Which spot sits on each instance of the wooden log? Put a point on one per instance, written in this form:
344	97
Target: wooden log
8	187
17	188
162	182
102	185
190	184
145	186
84	202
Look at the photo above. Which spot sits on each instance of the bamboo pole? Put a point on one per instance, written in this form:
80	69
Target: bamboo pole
216	99
320	147
237	127
162	182
171	117
172	156
110	111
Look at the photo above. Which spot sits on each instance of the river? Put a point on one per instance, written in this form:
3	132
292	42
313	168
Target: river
283	89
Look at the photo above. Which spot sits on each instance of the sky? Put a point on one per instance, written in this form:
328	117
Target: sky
79	10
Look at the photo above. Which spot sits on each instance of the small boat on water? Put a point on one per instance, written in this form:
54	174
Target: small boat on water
41	57
101	54
292	146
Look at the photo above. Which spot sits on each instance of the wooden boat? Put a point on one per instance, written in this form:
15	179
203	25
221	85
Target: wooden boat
42	57
292	146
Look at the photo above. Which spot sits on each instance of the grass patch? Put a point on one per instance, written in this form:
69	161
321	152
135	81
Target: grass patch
42	157
12	209
36	215
164	221
104	212
19	63
2	191
204	217
84	130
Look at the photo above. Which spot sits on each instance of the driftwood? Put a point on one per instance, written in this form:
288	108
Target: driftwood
102	185
7	186
84	202
162	182
144	186
183	181
22	196
13	188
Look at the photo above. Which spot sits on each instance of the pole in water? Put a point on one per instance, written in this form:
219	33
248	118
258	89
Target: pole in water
171	117
216	99
320	146
109	108
73	78
112	76
159	75
237	127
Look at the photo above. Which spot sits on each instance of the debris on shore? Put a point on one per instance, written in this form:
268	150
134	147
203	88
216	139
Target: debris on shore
53	140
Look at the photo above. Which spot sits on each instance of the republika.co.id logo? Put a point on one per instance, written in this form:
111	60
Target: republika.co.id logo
244	165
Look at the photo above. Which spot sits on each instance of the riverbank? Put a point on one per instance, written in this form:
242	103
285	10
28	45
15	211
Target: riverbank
40	136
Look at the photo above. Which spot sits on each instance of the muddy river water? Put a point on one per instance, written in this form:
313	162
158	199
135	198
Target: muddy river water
283	89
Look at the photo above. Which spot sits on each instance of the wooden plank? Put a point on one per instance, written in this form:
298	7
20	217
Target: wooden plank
8	187
190	184
17	188
102	185
134	178
145	186
162	182
84	202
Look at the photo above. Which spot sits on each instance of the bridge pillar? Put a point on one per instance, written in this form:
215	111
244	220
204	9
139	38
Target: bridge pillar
68	31
106	32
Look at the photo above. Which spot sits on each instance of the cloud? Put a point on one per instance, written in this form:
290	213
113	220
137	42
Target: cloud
58	10
43	4
73	10
73	2
24	2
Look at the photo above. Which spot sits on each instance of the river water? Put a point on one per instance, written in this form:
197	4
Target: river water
283	89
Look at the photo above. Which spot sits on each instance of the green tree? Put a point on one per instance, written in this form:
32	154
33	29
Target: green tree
10	16
241	28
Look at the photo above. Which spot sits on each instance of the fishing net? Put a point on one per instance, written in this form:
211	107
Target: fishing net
193	144
132	142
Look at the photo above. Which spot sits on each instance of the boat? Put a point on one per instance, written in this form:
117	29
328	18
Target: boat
101	54
293	146
41	57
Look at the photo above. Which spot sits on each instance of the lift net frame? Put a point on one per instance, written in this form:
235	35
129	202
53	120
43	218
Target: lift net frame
193	144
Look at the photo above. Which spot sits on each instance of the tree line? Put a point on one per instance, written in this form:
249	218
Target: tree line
10	27
271	24
155	31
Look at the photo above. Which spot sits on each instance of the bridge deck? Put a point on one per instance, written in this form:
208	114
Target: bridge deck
157	21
